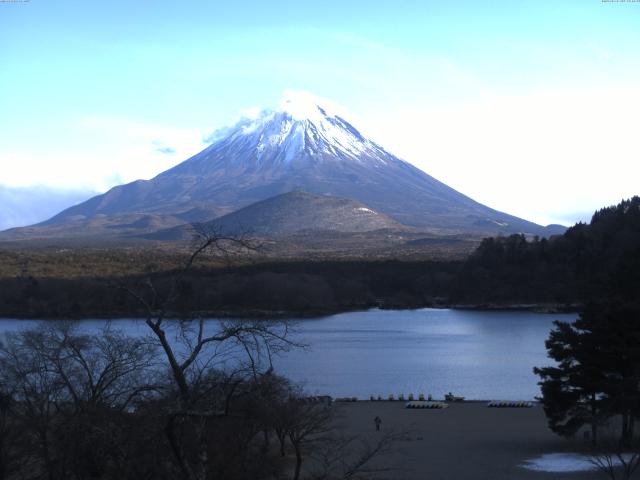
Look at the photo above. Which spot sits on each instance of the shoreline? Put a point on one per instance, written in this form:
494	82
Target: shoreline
255	314
439	400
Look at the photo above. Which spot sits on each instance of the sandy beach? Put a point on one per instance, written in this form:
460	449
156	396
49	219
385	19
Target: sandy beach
465	441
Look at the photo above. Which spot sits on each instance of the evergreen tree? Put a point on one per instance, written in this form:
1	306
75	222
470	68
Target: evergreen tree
598	370
616	327
572	391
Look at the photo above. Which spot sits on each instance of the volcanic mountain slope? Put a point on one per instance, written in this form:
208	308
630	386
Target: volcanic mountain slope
300	146
303	225
293	213
100	228
299	211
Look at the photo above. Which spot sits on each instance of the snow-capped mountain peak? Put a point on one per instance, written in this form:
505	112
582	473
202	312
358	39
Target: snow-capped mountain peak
302	106
302	128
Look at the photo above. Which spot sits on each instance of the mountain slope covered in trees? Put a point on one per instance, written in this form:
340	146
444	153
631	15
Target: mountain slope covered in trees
601	258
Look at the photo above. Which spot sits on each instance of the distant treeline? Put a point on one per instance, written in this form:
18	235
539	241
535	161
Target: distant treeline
589	260
586	263
297	288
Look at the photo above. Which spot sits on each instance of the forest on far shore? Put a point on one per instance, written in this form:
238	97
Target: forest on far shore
601	258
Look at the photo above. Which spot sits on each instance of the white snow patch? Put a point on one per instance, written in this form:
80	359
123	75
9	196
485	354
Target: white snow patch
559	462
562	462
366	210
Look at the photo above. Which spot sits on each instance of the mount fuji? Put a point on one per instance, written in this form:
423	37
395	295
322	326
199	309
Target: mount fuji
300	146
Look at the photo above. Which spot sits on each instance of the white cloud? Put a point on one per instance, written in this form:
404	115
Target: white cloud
132	148
537	156
99	152
29	205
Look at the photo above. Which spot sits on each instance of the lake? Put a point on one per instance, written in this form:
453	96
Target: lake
476	354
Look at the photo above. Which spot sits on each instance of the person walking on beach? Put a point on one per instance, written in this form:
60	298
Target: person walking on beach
377	421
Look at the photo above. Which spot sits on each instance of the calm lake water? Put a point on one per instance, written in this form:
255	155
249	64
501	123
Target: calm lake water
477	354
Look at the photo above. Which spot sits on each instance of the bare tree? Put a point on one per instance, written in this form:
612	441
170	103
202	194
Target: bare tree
37	392
259	340
192	347
616	457
104	369
353	457
67	388
9	434
308	423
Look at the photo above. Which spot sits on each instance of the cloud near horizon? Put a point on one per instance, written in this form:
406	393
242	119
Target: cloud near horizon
22	206
166	150
546	156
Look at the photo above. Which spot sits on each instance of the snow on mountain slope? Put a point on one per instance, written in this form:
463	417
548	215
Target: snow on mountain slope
300	128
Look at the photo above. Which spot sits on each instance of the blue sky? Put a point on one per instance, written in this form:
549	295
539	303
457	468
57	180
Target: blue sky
529	107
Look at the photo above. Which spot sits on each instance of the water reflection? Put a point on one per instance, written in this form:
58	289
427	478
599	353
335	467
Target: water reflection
481	355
